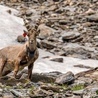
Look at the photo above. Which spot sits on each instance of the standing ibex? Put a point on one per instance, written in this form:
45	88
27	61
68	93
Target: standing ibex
14	58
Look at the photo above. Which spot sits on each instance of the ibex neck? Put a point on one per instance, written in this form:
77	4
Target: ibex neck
29	52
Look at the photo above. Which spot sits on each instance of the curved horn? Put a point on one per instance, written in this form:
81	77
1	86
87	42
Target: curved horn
26	24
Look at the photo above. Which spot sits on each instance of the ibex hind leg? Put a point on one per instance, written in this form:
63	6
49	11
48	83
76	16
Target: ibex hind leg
2	65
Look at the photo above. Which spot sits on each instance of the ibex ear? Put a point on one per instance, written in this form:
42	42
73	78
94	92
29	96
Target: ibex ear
28	34
25	33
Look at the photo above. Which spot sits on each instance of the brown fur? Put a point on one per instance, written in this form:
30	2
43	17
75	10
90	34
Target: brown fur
15	58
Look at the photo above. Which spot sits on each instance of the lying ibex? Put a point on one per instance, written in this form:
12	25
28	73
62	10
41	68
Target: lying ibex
14	58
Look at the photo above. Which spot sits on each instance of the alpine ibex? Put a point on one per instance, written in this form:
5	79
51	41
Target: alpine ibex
15	58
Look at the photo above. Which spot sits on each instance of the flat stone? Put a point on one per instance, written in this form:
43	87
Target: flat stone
78	92
96	38
57	59
50	87
8	96
83	66
92	18
47	44
67	36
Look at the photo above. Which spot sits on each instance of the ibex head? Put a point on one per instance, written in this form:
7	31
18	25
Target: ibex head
31	27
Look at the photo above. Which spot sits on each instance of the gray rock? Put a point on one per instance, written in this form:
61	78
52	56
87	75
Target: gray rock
21	38
76	96
96	38
8	96
19	93
51	87
47	44
90	11
28	13
83	66
59	95
70	36
78	92
69	93
42	77
91	91
41	1
65	78
92	18
57	59
76	50
45	31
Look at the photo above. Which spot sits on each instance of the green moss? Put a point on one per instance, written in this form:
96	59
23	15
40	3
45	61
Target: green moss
31	89
97	92
77	87
64	87
52	83
20	87
8	87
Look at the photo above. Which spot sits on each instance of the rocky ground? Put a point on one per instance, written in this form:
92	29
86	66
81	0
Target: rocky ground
51	85
67	28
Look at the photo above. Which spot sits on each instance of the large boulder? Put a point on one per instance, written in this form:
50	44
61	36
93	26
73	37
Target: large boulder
45	31
68	36
66	78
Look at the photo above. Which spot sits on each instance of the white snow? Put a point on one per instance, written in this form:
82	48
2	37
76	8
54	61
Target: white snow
45	65
12	26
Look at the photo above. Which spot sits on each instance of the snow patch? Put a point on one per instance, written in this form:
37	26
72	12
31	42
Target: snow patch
12	26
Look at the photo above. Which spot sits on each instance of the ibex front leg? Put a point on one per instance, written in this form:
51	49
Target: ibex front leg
30	67
16	69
